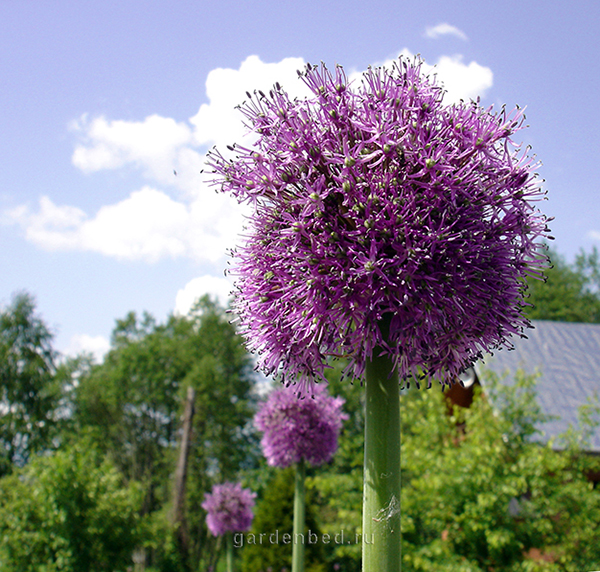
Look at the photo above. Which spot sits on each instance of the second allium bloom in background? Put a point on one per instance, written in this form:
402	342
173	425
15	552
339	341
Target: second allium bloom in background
382	218
297	430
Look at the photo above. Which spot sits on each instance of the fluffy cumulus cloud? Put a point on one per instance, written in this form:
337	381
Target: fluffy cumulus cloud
176	214
148	225
214	286
159	146
462	81
444	29
217	122
51	227
112	144
98	346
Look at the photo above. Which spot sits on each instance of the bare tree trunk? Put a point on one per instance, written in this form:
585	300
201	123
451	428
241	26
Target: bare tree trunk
178	515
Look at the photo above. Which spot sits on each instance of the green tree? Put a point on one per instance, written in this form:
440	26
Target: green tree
571	292
480	494
29	391
68	512
133	402
265	546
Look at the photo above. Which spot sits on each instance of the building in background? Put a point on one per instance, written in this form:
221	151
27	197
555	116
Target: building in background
566	358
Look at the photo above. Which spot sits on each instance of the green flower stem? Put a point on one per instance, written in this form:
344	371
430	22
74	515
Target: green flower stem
381	495
229	551
299	518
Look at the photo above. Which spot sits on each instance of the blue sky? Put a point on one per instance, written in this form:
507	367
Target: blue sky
102	101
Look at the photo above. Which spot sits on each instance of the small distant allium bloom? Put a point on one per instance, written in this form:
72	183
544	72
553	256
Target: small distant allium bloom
300	429
376	204
229	508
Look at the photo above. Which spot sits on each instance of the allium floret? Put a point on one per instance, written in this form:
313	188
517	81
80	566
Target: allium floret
381	219
297	429
229	508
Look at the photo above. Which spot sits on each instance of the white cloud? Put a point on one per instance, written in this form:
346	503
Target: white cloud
463	81
148	225
444	29
98	346
198	287
52	227
152	143
217	122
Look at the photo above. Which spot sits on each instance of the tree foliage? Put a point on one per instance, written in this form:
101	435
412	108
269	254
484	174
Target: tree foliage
133	401
488	496
29	392
68	512
571	292
265	545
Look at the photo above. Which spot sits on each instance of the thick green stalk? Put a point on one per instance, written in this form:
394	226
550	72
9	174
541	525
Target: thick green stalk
229	551
381	493
299	518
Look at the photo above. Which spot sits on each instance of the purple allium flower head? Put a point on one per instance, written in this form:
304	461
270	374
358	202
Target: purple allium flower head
229	508
295	429
381	218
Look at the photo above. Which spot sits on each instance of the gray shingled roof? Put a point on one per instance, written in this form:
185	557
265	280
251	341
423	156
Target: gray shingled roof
567	355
